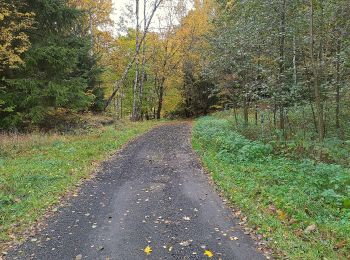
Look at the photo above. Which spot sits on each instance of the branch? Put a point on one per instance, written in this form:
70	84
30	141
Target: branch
119	83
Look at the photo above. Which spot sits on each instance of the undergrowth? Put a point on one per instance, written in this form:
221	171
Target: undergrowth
298	140
301	207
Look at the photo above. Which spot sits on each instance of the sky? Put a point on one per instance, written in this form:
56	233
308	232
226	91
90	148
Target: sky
119	5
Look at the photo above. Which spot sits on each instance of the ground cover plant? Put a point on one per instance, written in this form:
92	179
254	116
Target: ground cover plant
36	169
301	207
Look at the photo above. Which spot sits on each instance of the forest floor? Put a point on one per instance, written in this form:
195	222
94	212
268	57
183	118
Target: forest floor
152	200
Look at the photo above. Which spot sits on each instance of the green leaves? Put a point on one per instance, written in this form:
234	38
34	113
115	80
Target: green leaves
346	203
230	145
283	197
59	71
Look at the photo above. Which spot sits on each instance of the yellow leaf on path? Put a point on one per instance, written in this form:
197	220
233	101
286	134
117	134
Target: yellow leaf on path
208	253
148	250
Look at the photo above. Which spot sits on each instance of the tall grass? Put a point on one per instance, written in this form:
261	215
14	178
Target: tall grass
12	144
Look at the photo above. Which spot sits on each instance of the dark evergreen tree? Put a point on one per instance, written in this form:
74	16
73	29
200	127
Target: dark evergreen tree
59	70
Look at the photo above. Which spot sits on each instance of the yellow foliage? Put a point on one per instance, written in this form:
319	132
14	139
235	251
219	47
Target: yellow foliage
97	18
13	40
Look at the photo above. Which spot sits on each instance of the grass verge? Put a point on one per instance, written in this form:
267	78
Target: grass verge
35	170
301	208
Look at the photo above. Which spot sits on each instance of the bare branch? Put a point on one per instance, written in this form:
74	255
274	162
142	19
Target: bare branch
119	83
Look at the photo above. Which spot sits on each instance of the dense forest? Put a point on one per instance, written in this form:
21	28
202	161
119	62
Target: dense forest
285	61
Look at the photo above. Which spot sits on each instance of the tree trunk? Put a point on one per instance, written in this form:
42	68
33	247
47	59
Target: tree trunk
121	106
91	29
119	83
295	70
160	98
245	112
135	101
235	112
281	62
337	97
143	64
317	88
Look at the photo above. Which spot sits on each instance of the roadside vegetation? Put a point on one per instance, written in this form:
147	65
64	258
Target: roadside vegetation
301	208
37	169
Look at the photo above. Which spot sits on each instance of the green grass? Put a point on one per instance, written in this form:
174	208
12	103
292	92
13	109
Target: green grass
35	170
299	138
280	196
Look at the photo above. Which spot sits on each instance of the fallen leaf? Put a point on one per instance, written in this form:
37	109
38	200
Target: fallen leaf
148	250
233	238
340	245
281	215
78	257
310	229
185	243
208	253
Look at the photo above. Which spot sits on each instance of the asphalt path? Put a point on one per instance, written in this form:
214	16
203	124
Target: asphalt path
152	200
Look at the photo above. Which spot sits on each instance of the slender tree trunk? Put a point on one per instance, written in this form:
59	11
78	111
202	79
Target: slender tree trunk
91	29
337	97
317	88
121	106
274	114
235	112
295	70
281	62
119	83
160	98
135	102
143	70
116	107
245	112
313	111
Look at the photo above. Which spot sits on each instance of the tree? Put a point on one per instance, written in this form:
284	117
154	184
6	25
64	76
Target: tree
119	83
58	70
14	41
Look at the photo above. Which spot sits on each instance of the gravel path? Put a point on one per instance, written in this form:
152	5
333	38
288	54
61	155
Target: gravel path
153	193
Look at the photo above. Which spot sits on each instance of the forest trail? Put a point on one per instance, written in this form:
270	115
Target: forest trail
152	200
